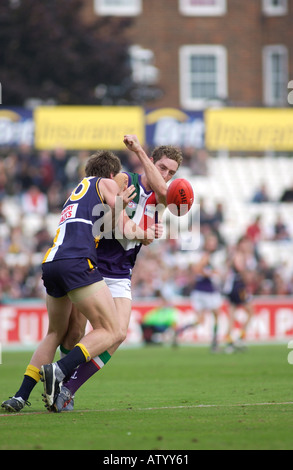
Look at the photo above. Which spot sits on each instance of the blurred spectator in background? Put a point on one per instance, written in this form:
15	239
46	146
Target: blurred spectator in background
287	195
261	195
16	244
12	170
254	230
3	180
27	168
211	221
47	170
205	216
75	167
196	160
56	195
59	162
281	231
33	201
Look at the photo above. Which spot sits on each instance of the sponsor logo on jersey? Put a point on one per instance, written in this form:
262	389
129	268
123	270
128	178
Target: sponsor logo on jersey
69	212
131	208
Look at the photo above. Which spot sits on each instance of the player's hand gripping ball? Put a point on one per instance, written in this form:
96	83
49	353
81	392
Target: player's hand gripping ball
180	197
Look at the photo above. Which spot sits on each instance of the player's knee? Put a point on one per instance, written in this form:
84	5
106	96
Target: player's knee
55	335
74	335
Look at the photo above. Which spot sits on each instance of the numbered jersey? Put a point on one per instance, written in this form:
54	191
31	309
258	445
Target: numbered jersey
74	237
116	258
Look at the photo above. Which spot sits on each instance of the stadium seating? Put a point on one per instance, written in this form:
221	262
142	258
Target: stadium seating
233	182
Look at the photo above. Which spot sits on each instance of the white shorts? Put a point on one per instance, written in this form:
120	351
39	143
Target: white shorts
119	287
205	300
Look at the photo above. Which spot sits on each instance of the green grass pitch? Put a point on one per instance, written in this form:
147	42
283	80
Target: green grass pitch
162	398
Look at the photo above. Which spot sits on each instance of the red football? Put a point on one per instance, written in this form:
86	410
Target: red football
180	197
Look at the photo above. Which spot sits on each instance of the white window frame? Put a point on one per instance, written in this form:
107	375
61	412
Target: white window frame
103	8
185	52
270	9
268	84
220	8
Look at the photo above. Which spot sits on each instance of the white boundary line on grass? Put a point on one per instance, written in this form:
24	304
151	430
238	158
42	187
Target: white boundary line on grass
155	408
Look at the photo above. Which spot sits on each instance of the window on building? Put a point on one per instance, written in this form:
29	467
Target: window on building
275	7
275	72
203	7
118	7
203	76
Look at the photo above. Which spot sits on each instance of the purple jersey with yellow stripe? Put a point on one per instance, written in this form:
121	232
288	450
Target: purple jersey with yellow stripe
74	237
117	257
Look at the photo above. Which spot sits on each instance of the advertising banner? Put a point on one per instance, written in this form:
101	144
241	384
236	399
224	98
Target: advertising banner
16	127
25	325
87	127
249	129
171	126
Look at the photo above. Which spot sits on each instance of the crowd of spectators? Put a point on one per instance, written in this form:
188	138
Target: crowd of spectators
38	183
165	266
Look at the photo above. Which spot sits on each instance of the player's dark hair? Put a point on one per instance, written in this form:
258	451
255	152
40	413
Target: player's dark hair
169	151
103	164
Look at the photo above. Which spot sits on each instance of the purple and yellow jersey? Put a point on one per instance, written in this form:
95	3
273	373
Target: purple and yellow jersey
74	237
116	258
206	282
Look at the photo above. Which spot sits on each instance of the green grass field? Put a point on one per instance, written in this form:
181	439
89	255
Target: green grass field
159	398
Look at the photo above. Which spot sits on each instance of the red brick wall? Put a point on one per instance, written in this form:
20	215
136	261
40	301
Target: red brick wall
244	30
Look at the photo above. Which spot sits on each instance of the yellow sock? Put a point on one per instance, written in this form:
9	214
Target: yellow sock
33	372
84	351
243	334
229	339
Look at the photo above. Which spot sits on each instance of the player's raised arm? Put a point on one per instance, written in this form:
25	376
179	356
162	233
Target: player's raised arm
154	177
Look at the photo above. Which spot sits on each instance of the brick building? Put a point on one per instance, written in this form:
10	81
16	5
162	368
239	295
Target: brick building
231	52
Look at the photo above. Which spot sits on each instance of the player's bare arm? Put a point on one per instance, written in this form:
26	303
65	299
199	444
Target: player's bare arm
128	229
116	198
154	177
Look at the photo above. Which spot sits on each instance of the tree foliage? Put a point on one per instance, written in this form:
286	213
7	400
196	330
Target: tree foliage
47	51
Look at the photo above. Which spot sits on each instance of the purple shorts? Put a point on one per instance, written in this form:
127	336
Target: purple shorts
62	276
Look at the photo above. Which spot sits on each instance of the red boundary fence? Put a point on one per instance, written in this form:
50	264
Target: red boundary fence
25	323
